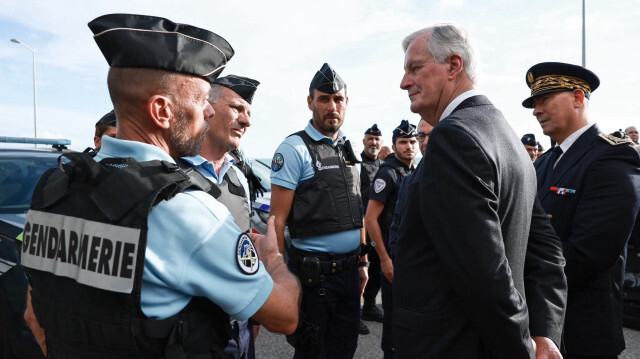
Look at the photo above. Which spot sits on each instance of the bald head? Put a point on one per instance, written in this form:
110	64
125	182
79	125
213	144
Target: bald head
632	132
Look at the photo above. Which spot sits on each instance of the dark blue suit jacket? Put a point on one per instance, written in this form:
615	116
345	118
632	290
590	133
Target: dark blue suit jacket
466	275
592	199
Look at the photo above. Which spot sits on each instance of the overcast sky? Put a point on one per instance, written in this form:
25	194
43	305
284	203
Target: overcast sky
283	43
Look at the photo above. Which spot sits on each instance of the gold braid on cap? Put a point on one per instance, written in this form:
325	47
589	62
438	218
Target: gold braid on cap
552	82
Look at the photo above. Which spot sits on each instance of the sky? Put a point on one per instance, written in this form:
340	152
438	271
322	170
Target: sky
283	43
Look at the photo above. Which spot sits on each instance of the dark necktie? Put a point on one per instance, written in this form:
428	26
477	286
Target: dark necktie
553	157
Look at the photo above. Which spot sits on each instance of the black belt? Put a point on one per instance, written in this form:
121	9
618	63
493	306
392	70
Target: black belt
329	263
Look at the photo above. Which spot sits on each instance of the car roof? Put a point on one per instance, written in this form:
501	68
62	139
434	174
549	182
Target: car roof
31	152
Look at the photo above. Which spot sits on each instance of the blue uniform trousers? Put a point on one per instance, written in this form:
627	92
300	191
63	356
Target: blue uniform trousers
387	305
334	306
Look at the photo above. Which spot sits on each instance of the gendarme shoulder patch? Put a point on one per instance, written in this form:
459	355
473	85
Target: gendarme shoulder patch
247	255
615	141
379	185
277	162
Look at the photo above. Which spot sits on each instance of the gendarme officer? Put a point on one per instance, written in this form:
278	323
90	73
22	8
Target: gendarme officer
379	215
230	98
316	191
589	185
372	142
127	258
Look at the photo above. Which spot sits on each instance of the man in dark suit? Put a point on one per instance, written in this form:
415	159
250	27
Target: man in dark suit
463	259
589	186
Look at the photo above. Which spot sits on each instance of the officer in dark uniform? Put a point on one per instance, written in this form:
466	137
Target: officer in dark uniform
106	126
589	185
126	256
379	215
230	98
315	188
372	142
531	145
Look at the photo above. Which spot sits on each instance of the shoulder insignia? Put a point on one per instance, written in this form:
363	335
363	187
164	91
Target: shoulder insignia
379	185
277	162
615	141
246	255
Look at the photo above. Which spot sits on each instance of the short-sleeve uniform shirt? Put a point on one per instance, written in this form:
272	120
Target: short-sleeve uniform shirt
291	165
191	250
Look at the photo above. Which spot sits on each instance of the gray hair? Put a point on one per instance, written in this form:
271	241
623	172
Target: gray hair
446	40
214	94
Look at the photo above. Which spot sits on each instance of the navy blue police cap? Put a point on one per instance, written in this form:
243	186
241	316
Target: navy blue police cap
326	80
547	77
128	40
108	119
243	86
404	130
373	130
529	139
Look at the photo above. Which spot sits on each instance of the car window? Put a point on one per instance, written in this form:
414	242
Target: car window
18	178
263	172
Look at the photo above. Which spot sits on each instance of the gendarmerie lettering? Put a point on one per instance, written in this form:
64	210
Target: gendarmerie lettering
93	253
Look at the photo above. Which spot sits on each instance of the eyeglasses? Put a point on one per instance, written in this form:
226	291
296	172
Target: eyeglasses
421	136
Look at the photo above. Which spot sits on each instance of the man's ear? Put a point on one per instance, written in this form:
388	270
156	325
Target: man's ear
309	101
160	110
578	96
456	66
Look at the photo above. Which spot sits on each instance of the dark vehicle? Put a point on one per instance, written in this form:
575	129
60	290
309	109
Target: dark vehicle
20	170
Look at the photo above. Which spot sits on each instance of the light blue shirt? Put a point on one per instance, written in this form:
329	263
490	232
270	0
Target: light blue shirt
297	168
206	168
191	250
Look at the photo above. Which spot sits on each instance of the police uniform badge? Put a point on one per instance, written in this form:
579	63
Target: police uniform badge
277	162
379	185
247	255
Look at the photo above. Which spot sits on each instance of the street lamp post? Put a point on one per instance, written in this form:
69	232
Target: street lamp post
35	106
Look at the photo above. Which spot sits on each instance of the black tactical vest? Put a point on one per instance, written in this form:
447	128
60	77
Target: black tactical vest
84	248
386	217
330	201
230	193
368	171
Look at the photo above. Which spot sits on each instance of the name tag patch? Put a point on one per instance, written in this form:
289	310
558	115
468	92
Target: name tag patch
95	254
247	255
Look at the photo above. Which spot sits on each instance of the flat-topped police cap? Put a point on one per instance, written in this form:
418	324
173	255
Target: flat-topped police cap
404	130
529	139
326	80
547	77
128	40
243	86
108	119
373	130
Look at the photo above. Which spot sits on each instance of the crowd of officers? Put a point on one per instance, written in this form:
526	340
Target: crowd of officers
478	254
